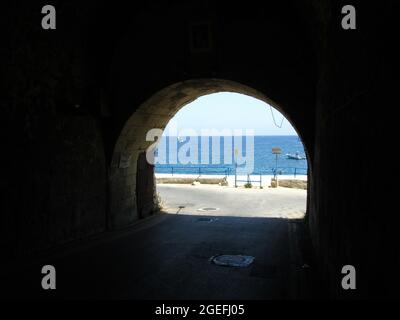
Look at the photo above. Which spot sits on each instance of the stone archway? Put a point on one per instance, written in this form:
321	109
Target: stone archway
156	113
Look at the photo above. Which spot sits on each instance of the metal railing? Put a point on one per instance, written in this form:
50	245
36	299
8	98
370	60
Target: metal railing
248	180
228	171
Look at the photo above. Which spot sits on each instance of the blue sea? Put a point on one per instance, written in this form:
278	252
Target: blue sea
194	162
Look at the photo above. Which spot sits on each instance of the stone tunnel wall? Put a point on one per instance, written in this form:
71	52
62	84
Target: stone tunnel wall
53	183
350	218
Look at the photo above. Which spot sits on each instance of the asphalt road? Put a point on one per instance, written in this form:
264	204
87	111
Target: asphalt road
168	255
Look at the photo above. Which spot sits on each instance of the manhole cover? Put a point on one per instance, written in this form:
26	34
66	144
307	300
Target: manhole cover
232	260
208	209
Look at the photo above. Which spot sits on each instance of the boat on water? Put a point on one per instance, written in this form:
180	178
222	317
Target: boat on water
295	156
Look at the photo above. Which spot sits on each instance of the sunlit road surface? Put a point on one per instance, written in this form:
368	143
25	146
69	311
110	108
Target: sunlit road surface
236	202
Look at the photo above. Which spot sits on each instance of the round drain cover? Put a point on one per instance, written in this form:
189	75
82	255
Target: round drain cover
208	209
232	260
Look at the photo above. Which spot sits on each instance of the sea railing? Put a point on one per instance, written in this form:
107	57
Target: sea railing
272	171
228	171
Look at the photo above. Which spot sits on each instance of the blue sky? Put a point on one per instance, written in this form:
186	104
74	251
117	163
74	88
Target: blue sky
226	110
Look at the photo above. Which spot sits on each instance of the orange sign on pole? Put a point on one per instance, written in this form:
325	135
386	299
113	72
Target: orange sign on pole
276	150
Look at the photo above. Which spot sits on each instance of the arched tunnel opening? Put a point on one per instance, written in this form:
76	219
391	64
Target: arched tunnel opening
78	194
133	190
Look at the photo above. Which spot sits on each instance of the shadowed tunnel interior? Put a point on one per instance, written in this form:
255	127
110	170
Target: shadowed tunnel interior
77	102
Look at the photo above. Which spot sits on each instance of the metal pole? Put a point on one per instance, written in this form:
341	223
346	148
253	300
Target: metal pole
235	157
295	169
235	174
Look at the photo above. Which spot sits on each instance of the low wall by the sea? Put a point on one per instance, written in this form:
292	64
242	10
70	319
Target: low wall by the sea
183	180
300	181
293	183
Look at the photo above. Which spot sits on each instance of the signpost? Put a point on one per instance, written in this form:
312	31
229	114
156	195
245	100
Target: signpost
276	151
236	154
